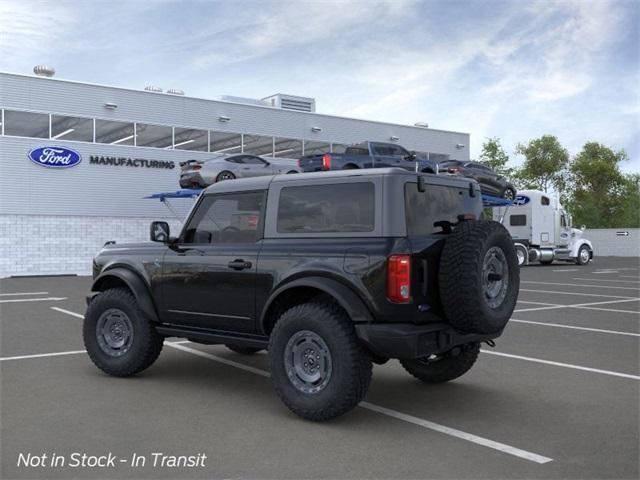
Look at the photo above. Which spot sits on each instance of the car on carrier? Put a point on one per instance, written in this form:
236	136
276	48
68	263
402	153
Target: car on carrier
369	155
491	182
329	272
202	173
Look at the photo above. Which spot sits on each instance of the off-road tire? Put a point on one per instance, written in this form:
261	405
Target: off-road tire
351	365
146	343
463	289
447	368
243	350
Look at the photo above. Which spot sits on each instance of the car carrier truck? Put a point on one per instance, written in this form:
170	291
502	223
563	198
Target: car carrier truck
541	230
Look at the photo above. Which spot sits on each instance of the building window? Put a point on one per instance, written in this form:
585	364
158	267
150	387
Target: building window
157	136
190	139
287	148
26	124
71	128
114	133
258	145
346	207
438	157
316	148
225	142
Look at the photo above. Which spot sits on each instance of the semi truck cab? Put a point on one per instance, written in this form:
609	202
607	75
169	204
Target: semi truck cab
542	230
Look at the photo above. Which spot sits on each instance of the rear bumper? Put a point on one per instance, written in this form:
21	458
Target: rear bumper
406	340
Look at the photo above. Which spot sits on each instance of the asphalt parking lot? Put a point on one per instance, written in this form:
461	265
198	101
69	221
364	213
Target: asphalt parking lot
557	398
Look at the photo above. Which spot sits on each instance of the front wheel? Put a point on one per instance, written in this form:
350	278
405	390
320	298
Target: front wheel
509	193
445	367
318	367
521	254
584	255
119	339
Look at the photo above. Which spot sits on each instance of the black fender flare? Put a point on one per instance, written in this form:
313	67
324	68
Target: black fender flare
346	298
135	283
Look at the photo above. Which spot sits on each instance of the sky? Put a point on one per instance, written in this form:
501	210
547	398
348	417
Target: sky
508	69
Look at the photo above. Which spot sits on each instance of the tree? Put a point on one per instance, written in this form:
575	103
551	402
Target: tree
495	157
600	194
545	163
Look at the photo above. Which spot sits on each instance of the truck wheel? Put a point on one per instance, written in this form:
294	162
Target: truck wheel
479	277
318	367
243	350
509	194
442	368
584	255
119	339
522	254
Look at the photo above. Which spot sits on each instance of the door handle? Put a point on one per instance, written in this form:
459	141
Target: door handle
239	264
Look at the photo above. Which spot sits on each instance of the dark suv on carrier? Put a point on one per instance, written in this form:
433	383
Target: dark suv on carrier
327	271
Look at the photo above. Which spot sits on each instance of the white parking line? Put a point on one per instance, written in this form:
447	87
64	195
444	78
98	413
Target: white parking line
588	306
605	272
632	312
540	303
23	293
48	299
567	270
469	437
575	293
533	457
573	327
583	285
42	355
565	365
628	276
607	280
62	310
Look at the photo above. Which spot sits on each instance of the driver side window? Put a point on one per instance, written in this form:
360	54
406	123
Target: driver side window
231	218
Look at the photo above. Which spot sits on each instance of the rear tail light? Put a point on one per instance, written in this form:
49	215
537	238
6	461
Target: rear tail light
453	170
196	167
399	278
326	161
299	162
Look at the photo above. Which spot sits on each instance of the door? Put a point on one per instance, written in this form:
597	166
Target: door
383	155
565	230
254	166
208	276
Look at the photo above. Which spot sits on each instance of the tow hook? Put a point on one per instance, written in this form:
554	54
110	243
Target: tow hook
491	343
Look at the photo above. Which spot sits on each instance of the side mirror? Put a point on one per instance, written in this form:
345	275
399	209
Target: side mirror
159	232
411	157
266	163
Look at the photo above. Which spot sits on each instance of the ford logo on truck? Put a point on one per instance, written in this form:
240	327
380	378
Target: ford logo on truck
521	200
55	157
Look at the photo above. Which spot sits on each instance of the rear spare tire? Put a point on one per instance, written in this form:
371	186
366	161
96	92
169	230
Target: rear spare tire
479	277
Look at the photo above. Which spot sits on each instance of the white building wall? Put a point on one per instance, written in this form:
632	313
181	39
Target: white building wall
613	242
47	245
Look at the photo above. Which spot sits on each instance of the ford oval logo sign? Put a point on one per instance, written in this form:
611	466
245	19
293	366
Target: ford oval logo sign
521	200
55	157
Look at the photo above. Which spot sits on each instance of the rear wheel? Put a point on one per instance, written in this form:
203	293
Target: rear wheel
225	175
243	350
445	367
521	255
351	167
479	277
318	367
119	339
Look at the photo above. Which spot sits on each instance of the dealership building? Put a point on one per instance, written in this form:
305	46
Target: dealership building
120	145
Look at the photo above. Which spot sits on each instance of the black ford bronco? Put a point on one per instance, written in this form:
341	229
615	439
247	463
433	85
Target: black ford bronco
330	272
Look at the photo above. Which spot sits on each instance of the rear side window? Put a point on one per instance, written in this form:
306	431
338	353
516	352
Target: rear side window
343	207
438	203
518	220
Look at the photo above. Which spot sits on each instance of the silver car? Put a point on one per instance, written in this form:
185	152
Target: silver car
202	173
